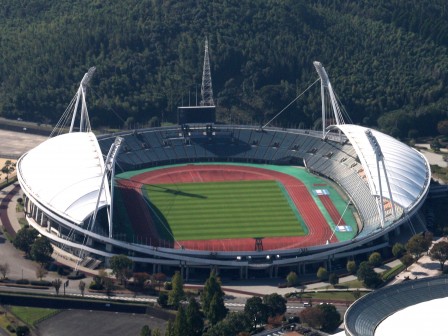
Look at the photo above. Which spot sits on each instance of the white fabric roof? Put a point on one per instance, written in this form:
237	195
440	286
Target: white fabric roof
407	170
64	173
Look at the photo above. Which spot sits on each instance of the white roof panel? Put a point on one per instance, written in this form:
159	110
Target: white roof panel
408	171
64	173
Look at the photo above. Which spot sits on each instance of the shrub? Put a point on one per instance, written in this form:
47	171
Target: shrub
351	266
292	279
76	275
322	274
22	331
11	328
375	259
162	300
168	285
23	282
62	270
41	283
96	286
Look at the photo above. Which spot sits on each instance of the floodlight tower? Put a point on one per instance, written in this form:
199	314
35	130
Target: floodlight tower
206	88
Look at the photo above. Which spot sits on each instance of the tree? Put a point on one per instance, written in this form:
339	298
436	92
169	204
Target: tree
407	260
442	127
108	286
169	331
82	287
195	318
256	310
398	250
57	285
162	300
322	274
145	331
140	279
351	266
418	244
7	170
372	279
375	259
362	270
356	294
331	317
41	250
368	276
440	252
25	238
217	310
180	323
177	293
22	331
212	290
235	323
333	279
41	272
121	267
313	317
4	270
276	304
292	279
159	279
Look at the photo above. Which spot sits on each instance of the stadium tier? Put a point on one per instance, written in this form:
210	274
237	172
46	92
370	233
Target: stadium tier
68	196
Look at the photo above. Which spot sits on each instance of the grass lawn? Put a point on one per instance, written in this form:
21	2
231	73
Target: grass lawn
219	210
31	315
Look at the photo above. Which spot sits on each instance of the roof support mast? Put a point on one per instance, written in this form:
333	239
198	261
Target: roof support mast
325	85
380	158
84	124
109	167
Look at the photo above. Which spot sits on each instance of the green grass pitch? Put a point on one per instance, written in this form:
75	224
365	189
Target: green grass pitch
219	210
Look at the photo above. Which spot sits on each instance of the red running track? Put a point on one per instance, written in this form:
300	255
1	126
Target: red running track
331	209
319	230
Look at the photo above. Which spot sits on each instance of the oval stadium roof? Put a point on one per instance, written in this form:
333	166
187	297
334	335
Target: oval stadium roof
64	174
408	171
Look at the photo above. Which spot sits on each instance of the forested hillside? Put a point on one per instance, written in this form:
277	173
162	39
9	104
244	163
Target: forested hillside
387	60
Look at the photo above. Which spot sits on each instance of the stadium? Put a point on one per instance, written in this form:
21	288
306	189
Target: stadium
252	200
383	311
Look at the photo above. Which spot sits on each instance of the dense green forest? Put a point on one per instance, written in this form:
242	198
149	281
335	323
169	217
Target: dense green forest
387	60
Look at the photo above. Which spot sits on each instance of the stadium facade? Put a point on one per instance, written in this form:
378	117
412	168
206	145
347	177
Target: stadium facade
68	184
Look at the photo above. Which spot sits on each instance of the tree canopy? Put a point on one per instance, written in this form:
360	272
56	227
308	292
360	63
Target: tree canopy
41	250
177	293
439	252
212	299
25	238
121	267
149	58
